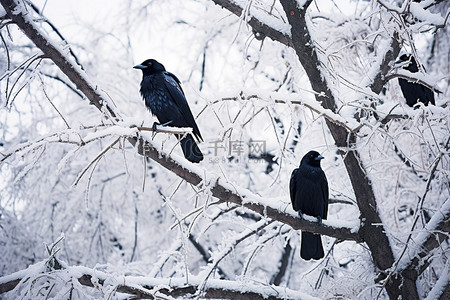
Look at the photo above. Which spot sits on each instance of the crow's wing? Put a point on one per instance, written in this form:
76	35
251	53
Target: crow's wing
325	193
176	92
304	191
293	189
311	191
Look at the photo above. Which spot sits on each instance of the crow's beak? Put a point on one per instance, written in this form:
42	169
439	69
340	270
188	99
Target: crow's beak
140	67
319	157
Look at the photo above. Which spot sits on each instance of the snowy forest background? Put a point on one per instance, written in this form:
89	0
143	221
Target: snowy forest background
94	206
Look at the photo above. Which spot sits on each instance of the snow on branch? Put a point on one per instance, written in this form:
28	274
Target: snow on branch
262	23
436	231
228	192
87	135
86	281
424	79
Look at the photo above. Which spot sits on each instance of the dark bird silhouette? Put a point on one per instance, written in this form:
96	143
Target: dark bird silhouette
165	98
414	92
309	195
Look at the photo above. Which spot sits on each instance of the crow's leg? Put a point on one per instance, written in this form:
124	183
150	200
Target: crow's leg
154	126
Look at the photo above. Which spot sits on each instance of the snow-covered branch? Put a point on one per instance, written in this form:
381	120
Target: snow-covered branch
259	21
429	238
228	192
423	79
87	281
85	136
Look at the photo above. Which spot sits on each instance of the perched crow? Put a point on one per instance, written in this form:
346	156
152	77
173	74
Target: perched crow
414	92
309	195
164	97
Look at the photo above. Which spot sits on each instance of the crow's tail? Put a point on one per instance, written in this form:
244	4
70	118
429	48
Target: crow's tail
311	246
190	149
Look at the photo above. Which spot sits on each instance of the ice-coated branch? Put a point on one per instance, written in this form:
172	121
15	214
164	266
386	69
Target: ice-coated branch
260	27
141	287
226	249
294	99
435	232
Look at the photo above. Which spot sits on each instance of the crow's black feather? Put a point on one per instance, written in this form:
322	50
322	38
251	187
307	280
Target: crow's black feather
309	195
414	92
165	98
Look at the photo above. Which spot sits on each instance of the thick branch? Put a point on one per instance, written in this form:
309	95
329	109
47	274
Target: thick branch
283	264
226	192
157	288
386	65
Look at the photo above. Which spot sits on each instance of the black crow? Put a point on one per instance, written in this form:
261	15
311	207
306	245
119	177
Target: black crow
414	92
309	195
165	98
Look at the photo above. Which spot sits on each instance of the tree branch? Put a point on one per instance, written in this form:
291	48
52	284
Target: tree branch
227	192
260	28
154	288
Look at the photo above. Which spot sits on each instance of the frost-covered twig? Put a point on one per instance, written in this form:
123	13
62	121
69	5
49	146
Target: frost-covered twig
276	97
86	135
228	246
20	16
100	155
